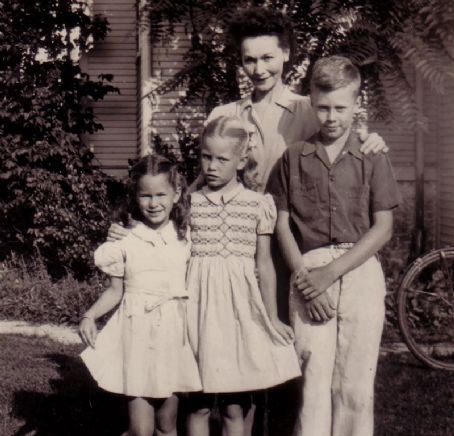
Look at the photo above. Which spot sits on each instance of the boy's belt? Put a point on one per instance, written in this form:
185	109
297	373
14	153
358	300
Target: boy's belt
341	245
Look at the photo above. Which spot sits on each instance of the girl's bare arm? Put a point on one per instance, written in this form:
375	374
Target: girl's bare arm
267	283
110	298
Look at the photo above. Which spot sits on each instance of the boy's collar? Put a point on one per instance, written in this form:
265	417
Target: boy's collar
282	97
352	145
223	196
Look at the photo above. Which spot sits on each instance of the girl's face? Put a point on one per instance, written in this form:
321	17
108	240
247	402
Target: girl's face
156	198
220	161
263	61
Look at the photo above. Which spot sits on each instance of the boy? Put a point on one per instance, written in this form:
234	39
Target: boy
334	213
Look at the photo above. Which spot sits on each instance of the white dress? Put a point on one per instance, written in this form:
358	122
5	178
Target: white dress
236	345
143	351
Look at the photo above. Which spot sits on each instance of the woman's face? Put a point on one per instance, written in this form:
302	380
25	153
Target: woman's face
263	61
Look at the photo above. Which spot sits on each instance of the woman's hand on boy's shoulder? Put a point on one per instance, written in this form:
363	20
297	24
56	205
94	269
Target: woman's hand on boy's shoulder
116	232
372	143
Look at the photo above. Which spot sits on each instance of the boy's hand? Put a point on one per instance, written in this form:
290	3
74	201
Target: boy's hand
372	143
314	282
321	308
116	232
283	329
88	331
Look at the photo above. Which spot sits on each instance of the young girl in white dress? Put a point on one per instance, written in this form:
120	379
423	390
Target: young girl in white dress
239	341
143	352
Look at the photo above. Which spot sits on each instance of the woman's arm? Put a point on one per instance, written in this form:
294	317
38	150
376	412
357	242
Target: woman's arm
267	283
110	298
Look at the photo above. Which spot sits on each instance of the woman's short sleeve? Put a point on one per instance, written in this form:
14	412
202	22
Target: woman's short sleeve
267	215
109	258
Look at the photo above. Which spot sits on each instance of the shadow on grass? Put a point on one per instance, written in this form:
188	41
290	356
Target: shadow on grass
410	398
75	407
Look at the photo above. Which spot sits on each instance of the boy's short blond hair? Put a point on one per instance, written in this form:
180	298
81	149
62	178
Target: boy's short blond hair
334	72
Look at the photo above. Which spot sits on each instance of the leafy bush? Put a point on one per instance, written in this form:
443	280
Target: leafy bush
52	197
186	152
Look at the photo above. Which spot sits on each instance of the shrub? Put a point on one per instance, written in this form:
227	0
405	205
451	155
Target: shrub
52	196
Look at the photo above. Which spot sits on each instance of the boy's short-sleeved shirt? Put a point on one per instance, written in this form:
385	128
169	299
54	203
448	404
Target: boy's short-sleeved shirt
332	203
289	118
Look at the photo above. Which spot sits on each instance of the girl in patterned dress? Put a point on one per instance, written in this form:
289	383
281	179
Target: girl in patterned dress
240	343
143	352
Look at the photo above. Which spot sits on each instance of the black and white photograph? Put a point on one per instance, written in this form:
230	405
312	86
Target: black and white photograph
226	218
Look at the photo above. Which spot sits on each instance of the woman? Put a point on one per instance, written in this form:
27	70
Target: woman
277	116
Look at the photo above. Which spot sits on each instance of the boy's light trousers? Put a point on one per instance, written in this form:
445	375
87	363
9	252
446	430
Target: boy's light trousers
339	357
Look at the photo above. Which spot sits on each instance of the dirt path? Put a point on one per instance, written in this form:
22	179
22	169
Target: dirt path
62	334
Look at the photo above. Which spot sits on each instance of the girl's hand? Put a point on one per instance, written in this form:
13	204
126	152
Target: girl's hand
116	232
321	308
283	329
372	143
315	282
88	331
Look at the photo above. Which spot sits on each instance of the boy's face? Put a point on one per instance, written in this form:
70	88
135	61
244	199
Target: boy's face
334	110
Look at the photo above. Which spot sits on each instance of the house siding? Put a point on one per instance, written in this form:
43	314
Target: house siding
116	55
167	59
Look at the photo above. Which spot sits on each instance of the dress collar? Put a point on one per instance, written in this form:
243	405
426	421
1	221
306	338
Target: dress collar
164	235
223	196
283	97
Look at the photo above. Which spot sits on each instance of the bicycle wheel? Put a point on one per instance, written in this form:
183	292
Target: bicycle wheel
426	308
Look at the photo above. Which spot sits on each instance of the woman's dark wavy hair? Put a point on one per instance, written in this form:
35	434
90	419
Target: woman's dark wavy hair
153	165
259	21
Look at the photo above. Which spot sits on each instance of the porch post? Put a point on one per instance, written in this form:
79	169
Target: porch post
419	235
144	85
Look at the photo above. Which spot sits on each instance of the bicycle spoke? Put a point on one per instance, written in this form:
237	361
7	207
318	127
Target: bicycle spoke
426	308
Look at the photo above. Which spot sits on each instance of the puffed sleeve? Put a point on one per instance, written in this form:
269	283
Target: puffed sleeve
109	258
267	215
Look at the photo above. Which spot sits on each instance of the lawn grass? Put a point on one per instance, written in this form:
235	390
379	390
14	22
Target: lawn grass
45	391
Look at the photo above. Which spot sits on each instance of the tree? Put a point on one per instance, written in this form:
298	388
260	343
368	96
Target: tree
384	38
53	199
